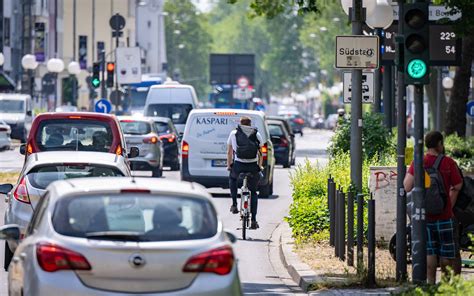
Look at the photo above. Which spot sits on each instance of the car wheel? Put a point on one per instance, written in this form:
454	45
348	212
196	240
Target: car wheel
157	172
301	133
175	166
8	257
287	163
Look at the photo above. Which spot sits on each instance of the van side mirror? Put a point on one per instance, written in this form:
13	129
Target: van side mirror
5	188
29	113
22	149
10	232
134	152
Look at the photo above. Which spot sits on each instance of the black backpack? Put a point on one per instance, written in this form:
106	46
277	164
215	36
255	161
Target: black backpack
436	196
247	146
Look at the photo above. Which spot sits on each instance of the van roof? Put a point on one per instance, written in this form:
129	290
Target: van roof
241	112
171	85
14	96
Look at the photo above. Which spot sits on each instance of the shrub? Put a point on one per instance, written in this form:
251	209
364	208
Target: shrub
449	285
376	139
461	150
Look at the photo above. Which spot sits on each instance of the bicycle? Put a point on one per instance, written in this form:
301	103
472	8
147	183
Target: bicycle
245	197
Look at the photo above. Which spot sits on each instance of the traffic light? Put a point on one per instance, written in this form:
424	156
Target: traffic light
110	74
95	81
416	40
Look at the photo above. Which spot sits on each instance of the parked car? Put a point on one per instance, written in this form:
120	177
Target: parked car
281	140
141	132
287	125
79	131
97	236
171	142
204	147
297	122
173	100
17	111
5	132
41	169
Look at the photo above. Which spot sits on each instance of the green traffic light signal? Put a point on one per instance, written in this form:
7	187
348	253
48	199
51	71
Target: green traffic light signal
95	82
417	69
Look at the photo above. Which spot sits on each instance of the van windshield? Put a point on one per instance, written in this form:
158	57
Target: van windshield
211	127
178	113
11	106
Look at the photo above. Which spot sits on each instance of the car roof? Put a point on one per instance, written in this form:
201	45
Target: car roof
55	157
75	115
159	119
275	122
15	96
229	111
135	118
114	185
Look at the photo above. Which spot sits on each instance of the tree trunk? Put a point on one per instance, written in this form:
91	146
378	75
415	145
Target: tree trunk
456	117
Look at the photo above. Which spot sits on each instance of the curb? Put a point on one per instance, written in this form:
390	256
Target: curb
300	272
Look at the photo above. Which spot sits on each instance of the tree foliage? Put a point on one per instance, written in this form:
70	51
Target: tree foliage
272	8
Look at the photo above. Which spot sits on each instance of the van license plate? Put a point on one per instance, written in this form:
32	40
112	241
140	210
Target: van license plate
219	163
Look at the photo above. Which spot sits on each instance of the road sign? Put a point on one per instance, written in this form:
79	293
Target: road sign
470	108
243	82
227	68
128	65
357	52
436	13
242	93
367	87
103	106
117	22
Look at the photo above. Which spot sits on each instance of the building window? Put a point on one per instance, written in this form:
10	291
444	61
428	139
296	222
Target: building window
6	31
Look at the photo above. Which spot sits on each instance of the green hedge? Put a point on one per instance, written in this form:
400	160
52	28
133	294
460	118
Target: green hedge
449	286
462	150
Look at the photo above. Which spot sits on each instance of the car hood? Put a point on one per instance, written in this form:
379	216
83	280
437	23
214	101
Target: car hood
12	117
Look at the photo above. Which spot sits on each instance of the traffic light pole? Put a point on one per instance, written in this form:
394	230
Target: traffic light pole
357	18
418	220
401	236
117	94
103	89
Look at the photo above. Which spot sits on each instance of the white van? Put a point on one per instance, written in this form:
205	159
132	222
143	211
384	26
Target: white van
17	111
172	100
204	147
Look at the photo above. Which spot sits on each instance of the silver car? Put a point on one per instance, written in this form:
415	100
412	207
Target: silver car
141	132
5	132
143	236
43	168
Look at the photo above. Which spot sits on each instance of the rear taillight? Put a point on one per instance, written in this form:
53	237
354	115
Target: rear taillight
298	120
283	142
52	258
219	261
3	129
169	137
135	190
185	149
21	192
264	151
150	140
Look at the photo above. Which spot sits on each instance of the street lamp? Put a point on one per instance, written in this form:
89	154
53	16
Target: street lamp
74	69
55	66
28	62
448	84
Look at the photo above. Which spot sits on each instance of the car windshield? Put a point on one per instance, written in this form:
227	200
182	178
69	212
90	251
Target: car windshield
138	97
162	127
275	130
138	217
178	113
40	177
11	106
74	134
134	127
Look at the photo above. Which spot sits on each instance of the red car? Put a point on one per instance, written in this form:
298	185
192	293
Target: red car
78	131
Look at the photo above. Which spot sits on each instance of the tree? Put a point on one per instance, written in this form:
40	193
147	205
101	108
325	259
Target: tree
272	8
188	44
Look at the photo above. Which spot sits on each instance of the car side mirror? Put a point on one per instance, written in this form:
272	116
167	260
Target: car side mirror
10	232
22	149
29	113
5	188
231	237
134	152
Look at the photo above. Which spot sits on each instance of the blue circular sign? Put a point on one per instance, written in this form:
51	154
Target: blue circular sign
103	106
470	108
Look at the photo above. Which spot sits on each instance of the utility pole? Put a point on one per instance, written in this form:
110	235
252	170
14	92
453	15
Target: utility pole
387	96
357	15
103	90
378	78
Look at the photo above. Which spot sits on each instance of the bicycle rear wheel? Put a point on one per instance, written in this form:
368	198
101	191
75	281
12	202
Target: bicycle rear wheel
244	227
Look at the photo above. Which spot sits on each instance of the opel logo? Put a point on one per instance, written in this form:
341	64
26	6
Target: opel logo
136	260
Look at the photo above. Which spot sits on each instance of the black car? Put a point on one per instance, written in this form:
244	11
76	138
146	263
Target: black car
281	140
288	127
170	138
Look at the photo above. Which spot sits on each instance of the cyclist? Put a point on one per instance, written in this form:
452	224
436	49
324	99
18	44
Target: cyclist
244	156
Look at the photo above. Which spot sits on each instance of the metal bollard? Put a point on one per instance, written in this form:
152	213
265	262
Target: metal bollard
371	245
342	226
336	223
332	210
350	228
360	232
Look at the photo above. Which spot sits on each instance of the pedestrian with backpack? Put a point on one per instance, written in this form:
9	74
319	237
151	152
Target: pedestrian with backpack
445	182
244	156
